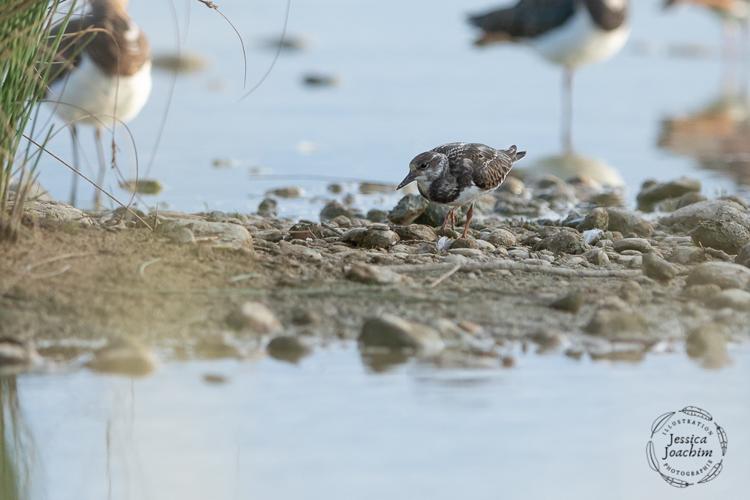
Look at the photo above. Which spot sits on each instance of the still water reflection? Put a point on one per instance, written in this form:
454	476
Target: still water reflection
716	135
408	79
330	427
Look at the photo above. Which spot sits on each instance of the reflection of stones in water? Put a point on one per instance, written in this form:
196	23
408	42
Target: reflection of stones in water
717	136
570	165
707	344
381	361
287	348
125	357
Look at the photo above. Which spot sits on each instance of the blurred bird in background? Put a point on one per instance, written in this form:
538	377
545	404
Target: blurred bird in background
102	75
569	33
734	13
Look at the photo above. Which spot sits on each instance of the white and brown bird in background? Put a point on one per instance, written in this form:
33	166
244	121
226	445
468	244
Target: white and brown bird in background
734	13
458	173
570	33
102	74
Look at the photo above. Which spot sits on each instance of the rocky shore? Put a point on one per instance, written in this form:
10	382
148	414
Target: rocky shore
550	265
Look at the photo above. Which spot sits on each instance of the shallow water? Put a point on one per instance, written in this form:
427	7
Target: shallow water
328	427
410	79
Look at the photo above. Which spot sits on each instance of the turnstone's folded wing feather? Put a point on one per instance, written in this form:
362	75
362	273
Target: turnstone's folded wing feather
489	166
526	19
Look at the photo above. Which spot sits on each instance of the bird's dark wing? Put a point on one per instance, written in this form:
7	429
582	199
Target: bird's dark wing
526	19
76	36
488	166
105	40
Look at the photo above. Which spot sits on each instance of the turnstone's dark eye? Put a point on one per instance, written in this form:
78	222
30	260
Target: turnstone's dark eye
422	166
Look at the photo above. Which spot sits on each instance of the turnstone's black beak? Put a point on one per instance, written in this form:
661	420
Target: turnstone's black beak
407	180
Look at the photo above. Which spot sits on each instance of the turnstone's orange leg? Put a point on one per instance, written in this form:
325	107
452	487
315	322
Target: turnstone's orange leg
447	218
469	215
450	216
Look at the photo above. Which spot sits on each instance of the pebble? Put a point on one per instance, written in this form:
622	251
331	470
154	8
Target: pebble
657	268
124	357
268	208
501	238
687	255
354	236
598	218
221	235
518	253
334	209
299	251
723	274
722	224
15	354
287	348
653	192
286	192
375	237
639	244
305	317
181	236
415	232
464	243
372	275
628	223
614	323
408	209
563	241
214	379
377	215
546	340
376	188
631	292
393	333
255	317
485	246
732	298
273	235
55	213
471	253
743	257
570	302
701	293
597	256
320	80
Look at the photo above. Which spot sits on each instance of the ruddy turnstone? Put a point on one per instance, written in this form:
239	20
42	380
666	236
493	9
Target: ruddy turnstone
102	74
458	173
733	12
569	33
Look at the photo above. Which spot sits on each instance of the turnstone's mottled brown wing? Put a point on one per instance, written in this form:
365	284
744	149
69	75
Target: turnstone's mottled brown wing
526	19
491	166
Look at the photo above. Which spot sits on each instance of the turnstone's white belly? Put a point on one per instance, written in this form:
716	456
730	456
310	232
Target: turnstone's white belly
580	41
88	95
468	195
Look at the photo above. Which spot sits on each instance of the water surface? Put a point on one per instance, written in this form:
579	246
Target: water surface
409	80
328	427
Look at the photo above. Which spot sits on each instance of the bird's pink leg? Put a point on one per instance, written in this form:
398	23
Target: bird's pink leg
450	216
469	215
